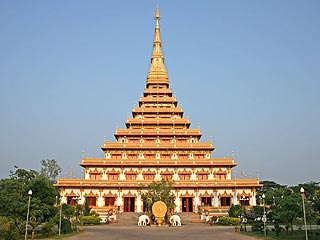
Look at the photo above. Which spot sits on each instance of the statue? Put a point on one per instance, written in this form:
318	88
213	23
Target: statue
159	210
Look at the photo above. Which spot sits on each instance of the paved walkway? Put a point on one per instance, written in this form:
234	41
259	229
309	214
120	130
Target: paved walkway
192	231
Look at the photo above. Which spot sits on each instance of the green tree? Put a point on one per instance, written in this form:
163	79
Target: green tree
288	210
158	191
236	211
8	230
316	201
14	197
50	169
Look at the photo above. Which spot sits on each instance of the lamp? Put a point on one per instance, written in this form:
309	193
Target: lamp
29	196
264	217
304	211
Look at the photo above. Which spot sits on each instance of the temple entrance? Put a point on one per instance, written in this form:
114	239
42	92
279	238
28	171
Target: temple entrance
187	204
128	204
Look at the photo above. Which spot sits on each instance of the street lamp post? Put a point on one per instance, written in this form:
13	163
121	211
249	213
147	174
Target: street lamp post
60	213
264	218
304	211
29	196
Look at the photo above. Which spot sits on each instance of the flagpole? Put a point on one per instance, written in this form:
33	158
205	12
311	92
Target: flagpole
304	211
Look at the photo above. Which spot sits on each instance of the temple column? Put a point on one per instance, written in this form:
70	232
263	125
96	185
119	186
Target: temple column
253	200
120	200
196	200
215	199
234	198
177	201
100	201
139	203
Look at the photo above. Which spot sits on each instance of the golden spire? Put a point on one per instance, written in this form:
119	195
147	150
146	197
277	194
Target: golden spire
157	69
157	16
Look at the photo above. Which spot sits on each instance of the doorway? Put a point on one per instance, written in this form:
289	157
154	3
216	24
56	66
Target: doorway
187	204
128	204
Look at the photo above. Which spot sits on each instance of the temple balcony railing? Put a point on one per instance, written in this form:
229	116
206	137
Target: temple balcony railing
160	132
158	162
213	184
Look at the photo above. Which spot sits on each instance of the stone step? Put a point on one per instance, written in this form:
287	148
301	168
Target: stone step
128	217
187	217
131	218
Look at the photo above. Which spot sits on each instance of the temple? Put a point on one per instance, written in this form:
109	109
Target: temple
158	143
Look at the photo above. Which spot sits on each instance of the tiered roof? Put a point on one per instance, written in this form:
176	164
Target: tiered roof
157	115
159	130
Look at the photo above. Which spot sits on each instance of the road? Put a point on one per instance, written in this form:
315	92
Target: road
192	231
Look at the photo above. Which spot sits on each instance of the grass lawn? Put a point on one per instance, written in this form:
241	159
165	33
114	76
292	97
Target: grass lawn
62	236
295	235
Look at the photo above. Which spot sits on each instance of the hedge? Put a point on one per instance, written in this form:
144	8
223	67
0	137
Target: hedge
223	220
90	220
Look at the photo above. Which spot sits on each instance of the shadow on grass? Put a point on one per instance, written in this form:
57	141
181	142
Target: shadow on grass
295	235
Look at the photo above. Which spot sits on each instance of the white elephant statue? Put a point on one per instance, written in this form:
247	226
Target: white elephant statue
175	220
143	220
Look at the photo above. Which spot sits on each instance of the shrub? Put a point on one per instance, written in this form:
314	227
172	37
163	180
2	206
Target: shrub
8	230
257	226
90	220
224	220
47	229
66	226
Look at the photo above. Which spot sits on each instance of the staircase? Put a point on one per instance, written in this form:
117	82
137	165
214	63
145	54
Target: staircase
128	218
131	218
189	217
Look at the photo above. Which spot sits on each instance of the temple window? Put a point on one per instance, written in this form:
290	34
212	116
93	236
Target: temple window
117	156
113	176
244	201
184	176
148	176
202	176
131	176
183	156
150	155
72	200
166	176
132	156
221	176
109	201
92	201
206	201
225	201
199	156
95	176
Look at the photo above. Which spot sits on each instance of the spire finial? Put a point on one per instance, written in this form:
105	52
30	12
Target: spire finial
157	70
157	16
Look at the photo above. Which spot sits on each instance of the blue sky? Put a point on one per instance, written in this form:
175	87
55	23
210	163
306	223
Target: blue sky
246	72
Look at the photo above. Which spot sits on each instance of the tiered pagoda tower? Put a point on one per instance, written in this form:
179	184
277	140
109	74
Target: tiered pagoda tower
156	144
